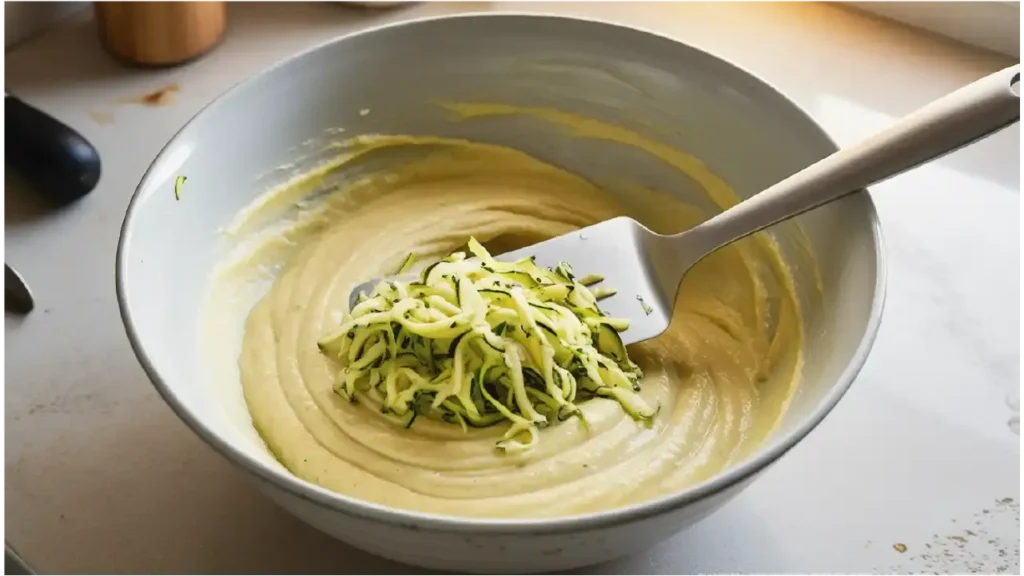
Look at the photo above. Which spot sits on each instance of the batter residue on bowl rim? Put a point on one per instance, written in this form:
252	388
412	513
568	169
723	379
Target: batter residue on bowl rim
723	373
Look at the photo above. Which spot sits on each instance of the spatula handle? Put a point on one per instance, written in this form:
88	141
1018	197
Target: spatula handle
58	161
956	120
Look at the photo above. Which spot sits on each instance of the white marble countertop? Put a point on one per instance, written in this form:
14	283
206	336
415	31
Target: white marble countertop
102	477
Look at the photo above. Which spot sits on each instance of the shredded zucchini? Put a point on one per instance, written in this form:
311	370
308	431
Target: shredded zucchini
644	305
179	183
478	342
407	264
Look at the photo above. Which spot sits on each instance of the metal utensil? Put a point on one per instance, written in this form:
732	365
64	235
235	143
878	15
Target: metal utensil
13	562
17	296
646	268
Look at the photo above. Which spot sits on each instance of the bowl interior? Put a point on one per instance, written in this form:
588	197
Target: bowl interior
390	81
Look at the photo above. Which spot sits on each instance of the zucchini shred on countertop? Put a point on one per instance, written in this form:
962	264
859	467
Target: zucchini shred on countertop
478	342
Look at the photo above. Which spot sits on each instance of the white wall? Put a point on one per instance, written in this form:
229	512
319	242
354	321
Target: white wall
991	25
23	19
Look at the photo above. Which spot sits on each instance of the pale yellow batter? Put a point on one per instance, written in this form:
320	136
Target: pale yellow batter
723	373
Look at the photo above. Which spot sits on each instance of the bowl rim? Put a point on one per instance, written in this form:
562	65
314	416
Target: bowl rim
284	480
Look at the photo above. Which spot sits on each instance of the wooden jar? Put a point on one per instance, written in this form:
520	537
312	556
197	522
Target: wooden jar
160	33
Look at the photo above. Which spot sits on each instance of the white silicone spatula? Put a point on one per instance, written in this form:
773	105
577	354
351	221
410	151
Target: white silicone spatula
646	268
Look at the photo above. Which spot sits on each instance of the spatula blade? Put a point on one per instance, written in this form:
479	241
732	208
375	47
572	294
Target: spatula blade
614	249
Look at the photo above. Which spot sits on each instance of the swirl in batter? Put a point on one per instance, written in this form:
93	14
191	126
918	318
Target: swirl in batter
723	373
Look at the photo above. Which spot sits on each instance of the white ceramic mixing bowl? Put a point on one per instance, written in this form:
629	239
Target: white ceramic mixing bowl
742	129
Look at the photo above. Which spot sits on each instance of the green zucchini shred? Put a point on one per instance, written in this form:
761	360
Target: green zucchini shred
179	183
406	264
644	305
478	343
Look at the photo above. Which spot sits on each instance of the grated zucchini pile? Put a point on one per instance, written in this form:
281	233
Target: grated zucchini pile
477	342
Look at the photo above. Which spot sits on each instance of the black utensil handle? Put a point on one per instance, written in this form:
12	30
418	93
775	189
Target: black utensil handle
51	156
